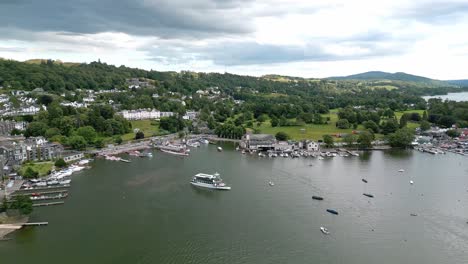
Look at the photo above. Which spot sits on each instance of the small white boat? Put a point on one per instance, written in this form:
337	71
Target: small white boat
271	183
324	230
220	149
401	170
411	182
320	158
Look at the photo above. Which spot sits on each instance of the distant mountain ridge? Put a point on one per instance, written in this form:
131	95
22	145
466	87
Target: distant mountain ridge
398	76
462	83
379	75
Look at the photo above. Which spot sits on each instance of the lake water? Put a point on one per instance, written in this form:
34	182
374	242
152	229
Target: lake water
459	97
147	212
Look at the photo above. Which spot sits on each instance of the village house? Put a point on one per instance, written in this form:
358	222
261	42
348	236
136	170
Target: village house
7	126
35	149
308	145
72	156
190	115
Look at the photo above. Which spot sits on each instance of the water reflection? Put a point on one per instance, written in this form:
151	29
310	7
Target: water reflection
401	154
210	194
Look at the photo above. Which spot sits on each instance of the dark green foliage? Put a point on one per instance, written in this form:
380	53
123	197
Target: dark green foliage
230	130
342	124
23	204
282	136
425	125
77	142
328	140
139	135
274	121
389	126
60	163
118	140
29	173
36	129
453	133
401	138
349	140
88	133
99	143
371	125
172	124
365	140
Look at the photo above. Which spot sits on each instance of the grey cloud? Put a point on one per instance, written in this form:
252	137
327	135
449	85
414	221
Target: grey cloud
11	49
162	18
251	53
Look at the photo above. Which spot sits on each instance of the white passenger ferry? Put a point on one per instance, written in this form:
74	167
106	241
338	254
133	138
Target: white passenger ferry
209	181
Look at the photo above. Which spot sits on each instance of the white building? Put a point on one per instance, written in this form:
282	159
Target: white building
142	114
190	115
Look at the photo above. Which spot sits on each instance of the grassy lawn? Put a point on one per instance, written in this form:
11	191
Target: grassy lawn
308	131
42	167
148	127
316	132
399	114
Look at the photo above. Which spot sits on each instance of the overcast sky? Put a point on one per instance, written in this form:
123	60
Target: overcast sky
309	38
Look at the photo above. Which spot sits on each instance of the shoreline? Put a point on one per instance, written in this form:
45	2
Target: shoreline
14	222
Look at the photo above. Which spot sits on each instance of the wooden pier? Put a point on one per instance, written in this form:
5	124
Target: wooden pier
41	193
48	204
36	224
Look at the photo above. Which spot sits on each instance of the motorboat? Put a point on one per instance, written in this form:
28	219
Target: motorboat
220	149
401	170
324	230
319	198
271	183
331	211
368	195
364	180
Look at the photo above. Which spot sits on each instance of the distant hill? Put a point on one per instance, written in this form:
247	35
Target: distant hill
398	76
463	83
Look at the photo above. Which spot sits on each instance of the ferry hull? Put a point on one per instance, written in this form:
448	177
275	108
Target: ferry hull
209	186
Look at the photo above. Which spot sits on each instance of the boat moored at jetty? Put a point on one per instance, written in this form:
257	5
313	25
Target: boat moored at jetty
210	181
174	150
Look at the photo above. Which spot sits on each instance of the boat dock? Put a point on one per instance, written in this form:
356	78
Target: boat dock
48	204
51	189
36	224
40	193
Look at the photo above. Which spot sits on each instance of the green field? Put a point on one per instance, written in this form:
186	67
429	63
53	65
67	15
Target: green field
148	127
41	167
308	131
316	132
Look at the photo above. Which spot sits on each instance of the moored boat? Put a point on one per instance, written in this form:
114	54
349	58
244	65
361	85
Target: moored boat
364	180
319	198
368	195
